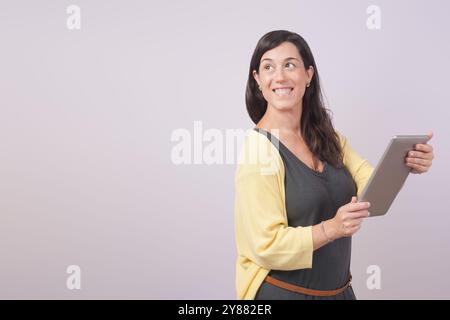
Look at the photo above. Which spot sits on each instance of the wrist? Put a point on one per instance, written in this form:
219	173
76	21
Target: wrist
330	230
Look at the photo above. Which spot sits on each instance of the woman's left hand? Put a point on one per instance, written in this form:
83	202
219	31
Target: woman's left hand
420	159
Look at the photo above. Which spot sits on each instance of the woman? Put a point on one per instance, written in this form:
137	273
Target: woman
295	212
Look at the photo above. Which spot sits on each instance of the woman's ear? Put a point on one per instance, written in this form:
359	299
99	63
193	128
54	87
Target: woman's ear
310	72
256	77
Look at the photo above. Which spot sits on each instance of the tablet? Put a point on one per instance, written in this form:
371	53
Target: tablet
390	174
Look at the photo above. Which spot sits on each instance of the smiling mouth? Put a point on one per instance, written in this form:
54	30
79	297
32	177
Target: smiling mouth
282	92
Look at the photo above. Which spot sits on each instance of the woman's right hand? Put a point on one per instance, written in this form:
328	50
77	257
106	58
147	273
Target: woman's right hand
347	220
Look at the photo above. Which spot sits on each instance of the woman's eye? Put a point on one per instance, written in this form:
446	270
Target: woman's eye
267	67
290	63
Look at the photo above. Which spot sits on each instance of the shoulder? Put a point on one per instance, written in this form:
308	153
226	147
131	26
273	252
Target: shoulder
339	134
342	139
258	153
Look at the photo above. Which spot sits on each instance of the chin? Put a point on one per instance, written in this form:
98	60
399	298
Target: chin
285	106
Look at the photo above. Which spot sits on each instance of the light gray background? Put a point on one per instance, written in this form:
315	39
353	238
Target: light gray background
86	118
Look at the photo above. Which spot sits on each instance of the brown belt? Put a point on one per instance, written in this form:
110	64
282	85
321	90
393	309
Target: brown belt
309	292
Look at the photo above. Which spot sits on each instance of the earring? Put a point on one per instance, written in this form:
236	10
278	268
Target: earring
259	87
308	84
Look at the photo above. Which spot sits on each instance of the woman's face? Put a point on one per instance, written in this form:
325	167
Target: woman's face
282	76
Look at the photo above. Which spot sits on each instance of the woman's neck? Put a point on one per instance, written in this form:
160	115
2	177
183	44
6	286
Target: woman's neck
287	121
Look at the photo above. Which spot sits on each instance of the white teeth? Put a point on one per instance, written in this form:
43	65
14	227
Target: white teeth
283	92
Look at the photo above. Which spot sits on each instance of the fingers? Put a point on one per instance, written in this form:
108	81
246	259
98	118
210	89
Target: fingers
353	223
357	215
349	228
348	218
421	158
357	206
353	230
420	155
417	168
422	162
423	147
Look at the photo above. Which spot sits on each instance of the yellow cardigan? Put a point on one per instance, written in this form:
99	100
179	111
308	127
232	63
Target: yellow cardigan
263	238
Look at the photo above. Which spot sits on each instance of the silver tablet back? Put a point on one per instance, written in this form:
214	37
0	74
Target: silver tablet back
390	174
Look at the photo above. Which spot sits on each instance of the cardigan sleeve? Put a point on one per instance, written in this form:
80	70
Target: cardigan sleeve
262	233
359	168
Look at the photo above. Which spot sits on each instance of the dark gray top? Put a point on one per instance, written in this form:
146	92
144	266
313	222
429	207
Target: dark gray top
312	197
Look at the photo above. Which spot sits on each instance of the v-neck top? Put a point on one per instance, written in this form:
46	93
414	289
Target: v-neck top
312	197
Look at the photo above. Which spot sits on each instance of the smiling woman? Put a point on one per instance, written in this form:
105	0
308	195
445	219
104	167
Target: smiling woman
293	226
290	64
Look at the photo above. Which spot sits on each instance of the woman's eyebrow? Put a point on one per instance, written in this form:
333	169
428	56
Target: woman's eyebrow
290	58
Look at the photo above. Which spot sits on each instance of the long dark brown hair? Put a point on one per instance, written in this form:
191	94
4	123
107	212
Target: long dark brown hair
315	124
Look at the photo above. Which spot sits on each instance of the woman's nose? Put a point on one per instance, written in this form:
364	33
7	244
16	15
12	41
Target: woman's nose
279	75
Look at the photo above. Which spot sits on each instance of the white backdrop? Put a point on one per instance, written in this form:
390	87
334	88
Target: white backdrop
87	176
